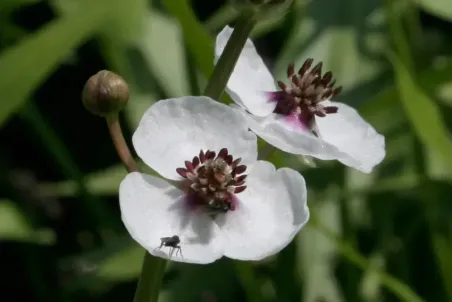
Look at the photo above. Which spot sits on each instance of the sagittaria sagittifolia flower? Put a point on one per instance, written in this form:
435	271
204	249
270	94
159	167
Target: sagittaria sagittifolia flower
215	195
300	117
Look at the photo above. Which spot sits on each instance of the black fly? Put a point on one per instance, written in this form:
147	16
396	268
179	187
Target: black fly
173	243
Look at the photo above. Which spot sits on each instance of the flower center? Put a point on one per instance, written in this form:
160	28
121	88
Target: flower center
308	88
211	180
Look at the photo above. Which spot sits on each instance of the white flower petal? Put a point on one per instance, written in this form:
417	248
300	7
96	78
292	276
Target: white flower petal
279	132
352	135
175	130
270	212
250	79
151	208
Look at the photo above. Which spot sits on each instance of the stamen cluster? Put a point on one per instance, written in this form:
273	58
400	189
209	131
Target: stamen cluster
308	88
212	180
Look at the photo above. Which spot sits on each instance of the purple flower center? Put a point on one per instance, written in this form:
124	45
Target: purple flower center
211	181
308	88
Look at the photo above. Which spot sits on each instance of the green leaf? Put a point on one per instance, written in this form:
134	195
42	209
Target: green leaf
162	46
151	58
422	112
27	64
197	37
440	8
14	226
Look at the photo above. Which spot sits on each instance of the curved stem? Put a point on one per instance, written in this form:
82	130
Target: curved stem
226	63
120	144
153	268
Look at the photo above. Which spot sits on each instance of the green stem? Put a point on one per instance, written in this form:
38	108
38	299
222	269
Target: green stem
225	65
151	279
215	87
247	278
120	144
153	268
398	36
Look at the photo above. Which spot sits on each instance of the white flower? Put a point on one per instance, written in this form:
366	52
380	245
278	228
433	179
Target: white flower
300	119
218	202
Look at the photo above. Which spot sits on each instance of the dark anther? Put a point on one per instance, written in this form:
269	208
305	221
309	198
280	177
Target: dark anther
282	85
239	189
182	172
240	169
317	70
241	178
306	65
202	157
195	162
223	153
189	165
210	154
236	162
290	70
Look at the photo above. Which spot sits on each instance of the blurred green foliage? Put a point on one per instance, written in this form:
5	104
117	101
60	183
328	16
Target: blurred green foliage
385	236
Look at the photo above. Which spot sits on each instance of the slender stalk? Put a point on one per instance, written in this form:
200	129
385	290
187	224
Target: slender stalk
120	144
247	277
153	268
215	88
225	65
150	280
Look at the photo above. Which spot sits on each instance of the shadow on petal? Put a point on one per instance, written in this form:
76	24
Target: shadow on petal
203	232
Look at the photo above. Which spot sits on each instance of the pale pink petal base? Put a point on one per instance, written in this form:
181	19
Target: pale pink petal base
288	135
342	136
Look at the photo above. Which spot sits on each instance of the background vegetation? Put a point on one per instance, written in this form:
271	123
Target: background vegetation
386	236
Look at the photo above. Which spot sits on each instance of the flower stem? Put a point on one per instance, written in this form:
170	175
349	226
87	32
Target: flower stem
225	65
247	277
150	280
153	268
215	88
120	144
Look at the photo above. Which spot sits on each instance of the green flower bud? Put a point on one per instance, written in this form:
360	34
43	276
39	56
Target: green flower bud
262	8
105	93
